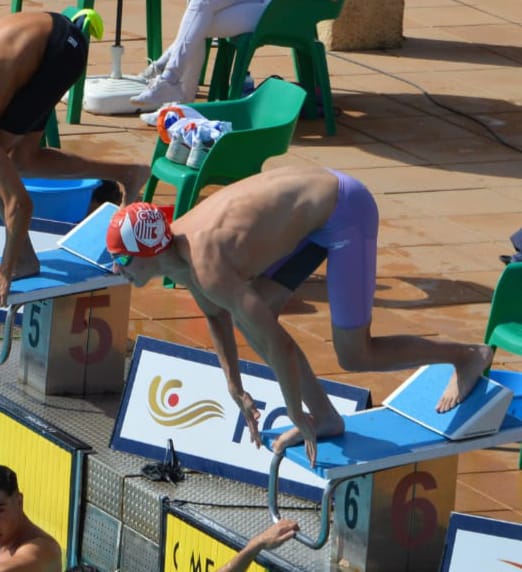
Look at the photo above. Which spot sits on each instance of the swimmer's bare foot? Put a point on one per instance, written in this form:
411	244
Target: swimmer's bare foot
465	377
26	265
327	428
136	177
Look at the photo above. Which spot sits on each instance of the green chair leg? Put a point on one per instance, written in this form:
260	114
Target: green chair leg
323	82
75	101
16	5
154	36
150	188
203	72
304	72
221	72
51	136
242	61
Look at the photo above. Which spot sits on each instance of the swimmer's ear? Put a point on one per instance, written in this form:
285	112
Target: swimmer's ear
93	19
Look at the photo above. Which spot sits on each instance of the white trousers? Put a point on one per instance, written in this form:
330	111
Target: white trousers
183	59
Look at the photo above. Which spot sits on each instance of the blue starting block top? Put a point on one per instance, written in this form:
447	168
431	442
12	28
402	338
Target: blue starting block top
409	429
61	273
480	413
406	430
80	263
380	438
87	240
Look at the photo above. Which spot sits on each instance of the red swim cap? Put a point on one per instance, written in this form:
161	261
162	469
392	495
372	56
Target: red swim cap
140	229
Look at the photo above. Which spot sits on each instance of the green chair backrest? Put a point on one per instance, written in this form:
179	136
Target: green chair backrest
506	308
263	126
506	304
285	22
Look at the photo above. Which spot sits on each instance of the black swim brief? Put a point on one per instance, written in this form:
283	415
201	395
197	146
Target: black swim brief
63	62
295	268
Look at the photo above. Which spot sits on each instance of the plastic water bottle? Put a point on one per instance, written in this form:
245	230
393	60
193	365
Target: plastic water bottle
177	151
248	85
201	145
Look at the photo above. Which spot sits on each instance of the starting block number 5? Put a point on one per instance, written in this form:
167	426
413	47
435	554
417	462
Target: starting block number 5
81	323
76	344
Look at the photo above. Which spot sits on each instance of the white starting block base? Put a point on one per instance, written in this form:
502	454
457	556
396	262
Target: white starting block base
381	438
74	327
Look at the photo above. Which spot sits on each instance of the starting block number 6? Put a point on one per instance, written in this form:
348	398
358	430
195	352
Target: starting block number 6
406	505
397	503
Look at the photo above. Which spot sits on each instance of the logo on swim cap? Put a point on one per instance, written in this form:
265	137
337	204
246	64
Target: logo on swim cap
141	229
150	227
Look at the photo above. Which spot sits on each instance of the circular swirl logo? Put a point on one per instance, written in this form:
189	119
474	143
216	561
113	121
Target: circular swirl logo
166	406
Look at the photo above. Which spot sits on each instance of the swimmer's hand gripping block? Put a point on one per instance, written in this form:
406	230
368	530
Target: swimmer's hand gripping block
382	438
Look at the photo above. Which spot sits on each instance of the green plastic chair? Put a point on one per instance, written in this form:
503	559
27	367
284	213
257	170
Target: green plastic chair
504	328
263	125
288	23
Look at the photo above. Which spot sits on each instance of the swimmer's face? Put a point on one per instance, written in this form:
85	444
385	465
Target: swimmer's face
11	513
135	269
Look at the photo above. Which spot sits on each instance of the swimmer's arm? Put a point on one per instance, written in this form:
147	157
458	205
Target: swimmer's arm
40	555
17	209
222	333
266	336
272	537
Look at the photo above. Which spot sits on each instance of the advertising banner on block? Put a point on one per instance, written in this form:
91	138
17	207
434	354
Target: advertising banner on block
500	544
180	393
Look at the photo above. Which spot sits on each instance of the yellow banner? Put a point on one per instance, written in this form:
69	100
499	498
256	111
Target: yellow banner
44	476
188	549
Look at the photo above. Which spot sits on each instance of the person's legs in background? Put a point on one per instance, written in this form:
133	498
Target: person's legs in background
180	64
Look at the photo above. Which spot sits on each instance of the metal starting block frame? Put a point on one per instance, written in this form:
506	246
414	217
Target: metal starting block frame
380	440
